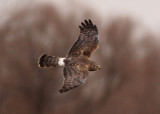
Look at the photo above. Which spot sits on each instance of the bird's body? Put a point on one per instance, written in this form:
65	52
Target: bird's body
77	64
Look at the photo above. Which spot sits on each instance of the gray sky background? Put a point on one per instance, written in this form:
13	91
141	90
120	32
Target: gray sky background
145	11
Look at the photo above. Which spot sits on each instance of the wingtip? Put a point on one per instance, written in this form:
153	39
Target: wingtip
86	24
90	22
83	24
85	20
80	27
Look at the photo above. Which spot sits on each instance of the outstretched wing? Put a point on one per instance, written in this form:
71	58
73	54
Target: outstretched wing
87	41
74	76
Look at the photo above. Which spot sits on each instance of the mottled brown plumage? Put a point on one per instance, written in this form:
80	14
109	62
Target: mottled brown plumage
87	41
77	64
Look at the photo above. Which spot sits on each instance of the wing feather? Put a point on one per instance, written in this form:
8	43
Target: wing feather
87	41
73	77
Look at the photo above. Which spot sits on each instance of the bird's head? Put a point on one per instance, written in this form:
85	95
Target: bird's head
97	67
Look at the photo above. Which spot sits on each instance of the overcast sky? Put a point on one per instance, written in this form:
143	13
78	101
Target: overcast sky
146	11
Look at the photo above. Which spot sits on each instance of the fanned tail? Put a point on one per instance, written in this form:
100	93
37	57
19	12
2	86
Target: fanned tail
48	61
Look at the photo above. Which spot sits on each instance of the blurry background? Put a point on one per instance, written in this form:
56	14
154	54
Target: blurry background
129	81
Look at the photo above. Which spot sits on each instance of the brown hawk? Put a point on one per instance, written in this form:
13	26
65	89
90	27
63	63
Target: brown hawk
77	64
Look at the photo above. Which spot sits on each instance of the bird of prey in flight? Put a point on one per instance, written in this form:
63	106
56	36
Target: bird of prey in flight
77	64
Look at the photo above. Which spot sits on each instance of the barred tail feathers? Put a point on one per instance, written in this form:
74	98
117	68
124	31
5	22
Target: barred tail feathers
49	61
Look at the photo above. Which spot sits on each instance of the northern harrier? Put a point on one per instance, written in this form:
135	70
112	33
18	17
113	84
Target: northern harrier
77	64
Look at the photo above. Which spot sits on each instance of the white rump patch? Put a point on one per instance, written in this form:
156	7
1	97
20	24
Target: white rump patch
61	62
